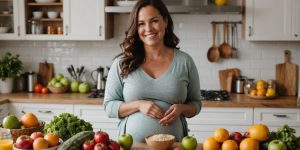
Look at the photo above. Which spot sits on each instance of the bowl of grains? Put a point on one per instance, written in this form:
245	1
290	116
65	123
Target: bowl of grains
160	141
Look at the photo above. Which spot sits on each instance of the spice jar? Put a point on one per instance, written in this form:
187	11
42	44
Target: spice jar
51	30
60	30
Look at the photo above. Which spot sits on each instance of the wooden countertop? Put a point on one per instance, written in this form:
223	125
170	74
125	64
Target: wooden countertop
236	100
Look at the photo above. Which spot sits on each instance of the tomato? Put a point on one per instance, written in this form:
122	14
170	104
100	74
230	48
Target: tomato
45	90
38	88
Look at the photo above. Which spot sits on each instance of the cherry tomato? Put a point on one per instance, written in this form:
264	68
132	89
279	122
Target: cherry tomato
45	90
38	88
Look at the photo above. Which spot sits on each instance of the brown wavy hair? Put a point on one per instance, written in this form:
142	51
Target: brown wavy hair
133	54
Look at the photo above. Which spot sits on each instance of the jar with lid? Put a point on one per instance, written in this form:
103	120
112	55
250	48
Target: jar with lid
239	84
271	84
36	27
249	85
6	140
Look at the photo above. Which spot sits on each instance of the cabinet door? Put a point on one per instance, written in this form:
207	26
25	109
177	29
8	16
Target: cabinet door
87	23
209	119
277	117
44	112
96	115
296	19
268	20
3	111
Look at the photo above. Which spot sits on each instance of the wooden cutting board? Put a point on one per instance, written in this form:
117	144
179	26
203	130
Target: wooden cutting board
46	72
286	76
227	78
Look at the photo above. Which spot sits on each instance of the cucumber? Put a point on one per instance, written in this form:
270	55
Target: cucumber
76	141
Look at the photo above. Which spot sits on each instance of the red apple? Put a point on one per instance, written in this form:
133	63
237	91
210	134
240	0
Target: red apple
177	148
88	145
113	145
24	142
100	146
236	136
36	135
101	137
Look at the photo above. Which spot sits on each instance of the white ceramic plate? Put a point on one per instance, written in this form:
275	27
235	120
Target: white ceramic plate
126	3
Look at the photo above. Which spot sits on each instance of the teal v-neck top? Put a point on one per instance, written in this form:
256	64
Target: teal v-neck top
179	84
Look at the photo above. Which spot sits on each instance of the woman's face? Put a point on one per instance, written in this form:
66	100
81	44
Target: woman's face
151	26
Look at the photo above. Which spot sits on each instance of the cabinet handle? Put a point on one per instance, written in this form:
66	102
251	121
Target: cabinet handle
1	110
23	112
296	35
100	30
249	31
66	30
18	30
279	115
45	111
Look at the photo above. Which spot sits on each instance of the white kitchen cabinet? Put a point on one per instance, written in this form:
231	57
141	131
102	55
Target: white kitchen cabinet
211	118
96	115
44	112
277	117
3	111
272	20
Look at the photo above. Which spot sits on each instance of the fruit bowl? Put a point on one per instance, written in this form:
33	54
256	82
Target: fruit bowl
160	141
58	90
261	97
50	148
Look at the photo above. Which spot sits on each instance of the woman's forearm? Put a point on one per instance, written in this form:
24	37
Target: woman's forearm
128	108
189	110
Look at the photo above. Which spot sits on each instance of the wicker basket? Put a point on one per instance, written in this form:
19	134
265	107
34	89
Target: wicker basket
58	90
27	131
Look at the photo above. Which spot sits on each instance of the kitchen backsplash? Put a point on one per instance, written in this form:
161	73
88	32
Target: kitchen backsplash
255	59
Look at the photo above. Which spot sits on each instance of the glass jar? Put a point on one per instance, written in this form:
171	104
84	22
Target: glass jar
249	85
6	140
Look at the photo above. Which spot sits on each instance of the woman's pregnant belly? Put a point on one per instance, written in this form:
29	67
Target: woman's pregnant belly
140	125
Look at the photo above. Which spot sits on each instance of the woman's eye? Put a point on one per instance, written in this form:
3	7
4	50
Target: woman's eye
140	24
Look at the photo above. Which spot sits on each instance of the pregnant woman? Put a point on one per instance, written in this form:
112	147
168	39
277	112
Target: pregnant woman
152	86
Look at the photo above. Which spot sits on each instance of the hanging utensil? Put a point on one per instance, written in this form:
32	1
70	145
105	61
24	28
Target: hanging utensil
213	53
233	41
225	48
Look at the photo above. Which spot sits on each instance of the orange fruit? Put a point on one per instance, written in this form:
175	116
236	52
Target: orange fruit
259	132
253	92
261	83
40	143
249	144
261	92
271	92
221	135
221	2
210	144
52	139
230	145
29	120
260	87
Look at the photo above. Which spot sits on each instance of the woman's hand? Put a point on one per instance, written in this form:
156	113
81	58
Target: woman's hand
149	108
172	114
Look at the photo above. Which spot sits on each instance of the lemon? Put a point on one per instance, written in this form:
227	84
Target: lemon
221	2
271	92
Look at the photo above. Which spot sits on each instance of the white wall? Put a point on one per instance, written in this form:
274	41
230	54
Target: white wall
256	59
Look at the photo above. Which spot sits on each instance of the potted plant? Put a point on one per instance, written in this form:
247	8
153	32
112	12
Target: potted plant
10	67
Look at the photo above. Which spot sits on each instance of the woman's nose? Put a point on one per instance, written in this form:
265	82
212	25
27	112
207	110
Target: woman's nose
148	27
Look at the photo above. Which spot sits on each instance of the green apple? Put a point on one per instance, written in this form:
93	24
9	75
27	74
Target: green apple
52	82
84	87
189	143
11	122
126	141
276	145
74	86
58	85
65	81
59	76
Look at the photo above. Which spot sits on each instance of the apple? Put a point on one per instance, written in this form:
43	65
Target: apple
189	143
36	135
126	141
65	81
88	145
177	148
113	145
11	122
58	85
84	87
45	90
236	136
52	82
75	86
101	137
40	143
100	146
59	76
24	142
276	145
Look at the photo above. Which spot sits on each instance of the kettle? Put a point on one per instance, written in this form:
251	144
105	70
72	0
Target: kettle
100	79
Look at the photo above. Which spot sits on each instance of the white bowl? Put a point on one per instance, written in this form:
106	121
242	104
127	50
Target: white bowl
4	29
51	148
37	14
126	3
44	1
52	14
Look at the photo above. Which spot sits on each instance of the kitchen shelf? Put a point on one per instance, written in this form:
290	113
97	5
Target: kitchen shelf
45	4
6	15
47	19
205	9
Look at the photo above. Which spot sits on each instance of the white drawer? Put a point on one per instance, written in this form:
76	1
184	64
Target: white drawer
223	116
277	116
44	112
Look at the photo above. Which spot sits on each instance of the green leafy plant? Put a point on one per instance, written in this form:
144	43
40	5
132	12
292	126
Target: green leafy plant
10	66
287	135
